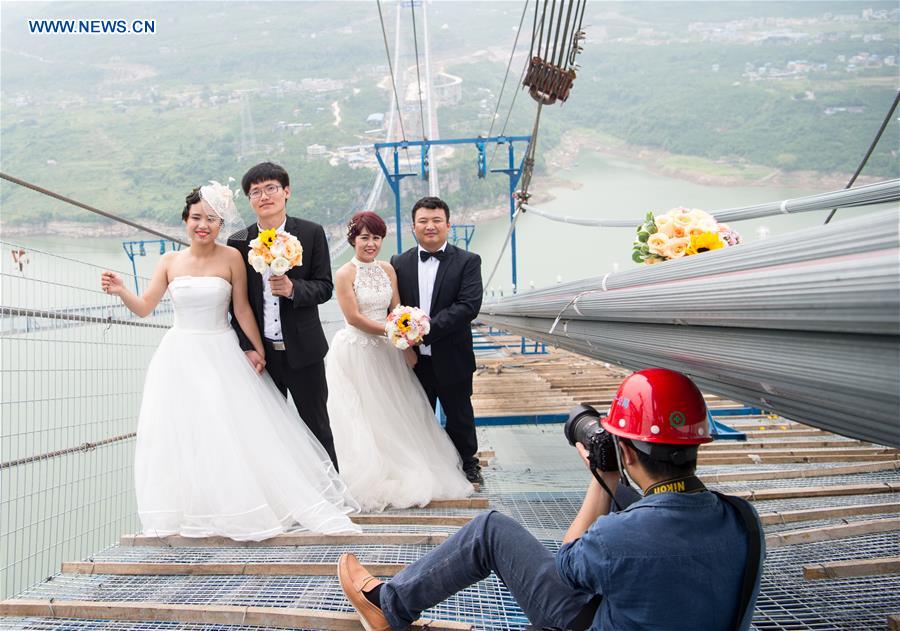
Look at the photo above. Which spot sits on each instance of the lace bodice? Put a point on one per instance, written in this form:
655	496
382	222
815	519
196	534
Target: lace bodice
372	287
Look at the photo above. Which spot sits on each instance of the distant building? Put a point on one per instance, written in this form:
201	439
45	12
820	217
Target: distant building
315	151
375	119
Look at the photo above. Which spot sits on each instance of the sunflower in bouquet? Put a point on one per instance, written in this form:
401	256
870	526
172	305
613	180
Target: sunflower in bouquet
275	250
406	326
678	233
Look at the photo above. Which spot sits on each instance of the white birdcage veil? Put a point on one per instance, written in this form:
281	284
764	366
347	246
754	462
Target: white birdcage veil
220	199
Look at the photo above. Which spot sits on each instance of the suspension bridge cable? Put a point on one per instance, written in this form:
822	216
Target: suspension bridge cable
393	80
562	6
92	209
512	54
387	52
509	112
412	7
872	146
527	171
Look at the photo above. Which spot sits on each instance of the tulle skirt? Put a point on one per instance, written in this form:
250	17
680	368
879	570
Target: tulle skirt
391	448
221	452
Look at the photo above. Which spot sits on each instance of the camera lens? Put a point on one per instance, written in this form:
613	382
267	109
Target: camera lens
582	424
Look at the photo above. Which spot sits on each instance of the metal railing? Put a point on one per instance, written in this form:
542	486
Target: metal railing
72	365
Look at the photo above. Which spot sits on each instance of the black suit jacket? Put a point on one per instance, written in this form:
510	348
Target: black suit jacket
455	302
304	339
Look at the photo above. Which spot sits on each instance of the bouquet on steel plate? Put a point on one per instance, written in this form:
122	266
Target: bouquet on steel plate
275	250
406	326
678	233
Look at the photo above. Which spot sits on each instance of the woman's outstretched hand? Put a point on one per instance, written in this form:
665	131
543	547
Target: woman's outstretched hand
111	283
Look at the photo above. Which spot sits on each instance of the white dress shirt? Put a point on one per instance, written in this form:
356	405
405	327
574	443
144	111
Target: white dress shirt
427	274
271	310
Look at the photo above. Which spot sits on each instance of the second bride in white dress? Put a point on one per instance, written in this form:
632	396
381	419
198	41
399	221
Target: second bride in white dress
391	449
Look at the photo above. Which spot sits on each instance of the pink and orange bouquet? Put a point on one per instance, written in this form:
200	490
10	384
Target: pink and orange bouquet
678	233
275	250
406	326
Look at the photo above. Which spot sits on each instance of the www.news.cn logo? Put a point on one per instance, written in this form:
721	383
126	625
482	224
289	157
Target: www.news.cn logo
92	26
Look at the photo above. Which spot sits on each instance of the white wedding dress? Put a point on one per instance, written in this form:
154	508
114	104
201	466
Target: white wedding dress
219	449
391	448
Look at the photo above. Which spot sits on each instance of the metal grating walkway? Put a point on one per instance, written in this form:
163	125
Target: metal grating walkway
537	479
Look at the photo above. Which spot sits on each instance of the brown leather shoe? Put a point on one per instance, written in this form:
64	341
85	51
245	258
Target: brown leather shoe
354	578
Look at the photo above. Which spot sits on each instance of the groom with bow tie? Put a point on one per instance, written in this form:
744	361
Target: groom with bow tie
287	306
445	282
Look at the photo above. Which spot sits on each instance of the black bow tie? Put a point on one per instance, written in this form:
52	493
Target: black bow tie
424	255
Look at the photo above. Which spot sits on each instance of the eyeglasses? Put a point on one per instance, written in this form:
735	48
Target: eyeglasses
269	190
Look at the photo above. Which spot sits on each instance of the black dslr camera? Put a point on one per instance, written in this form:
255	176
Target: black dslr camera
583	426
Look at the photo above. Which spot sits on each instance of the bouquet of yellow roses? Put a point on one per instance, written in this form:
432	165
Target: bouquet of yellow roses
275	250
680	232
406	326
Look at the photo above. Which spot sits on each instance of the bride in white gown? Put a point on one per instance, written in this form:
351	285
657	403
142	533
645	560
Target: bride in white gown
384	429
219	450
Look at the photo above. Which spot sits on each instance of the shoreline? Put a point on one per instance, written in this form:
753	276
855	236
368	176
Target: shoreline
564	156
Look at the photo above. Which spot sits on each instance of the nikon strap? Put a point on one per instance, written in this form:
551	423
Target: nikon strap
687	484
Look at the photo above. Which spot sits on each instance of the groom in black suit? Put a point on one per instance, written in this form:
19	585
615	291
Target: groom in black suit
287	306
445	282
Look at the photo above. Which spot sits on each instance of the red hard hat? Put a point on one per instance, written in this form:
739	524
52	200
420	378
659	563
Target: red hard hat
659	406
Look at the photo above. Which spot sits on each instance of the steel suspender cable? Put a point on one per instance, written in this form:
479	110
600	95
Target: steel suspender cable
865	159
527	171
92	209
412	6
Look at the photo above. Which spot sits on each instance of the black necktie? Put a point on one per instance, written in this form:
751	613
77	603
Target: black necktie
424	255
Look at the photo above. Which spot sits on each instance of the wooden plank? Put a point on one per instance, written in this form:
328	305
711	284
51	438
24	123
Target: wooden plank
284	617
867	467
781	433
858	567
486	453
784	450
766	459
817	491
289	539
780	444
412	520
827	512
829	533
219	569
466	502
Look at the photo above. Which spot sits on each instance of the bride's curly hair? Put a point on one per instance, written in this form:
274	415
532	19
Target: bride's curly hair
190	199
367	220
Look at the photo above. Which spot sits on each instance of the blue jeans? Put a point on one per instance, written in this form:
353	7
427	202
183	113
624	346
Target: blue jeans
490	542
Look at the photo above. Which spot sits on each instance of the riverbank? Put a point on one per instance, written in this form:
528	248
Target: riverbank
81	229
722	172
566	155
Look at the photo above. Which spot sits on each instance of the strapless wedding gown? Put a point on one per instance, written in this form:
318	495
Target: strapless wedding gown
391	448
219	449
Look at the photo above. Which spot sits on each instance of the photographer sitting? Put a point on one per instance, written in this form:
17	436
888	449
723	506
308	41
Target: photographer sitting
680	557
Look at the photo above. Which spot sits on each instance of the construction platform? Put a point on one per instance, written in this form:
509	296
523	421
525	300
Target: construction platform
829	505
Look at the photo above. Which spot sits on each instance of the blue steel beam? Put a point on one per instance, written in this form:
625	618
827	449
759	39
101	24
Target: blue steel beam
513	171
